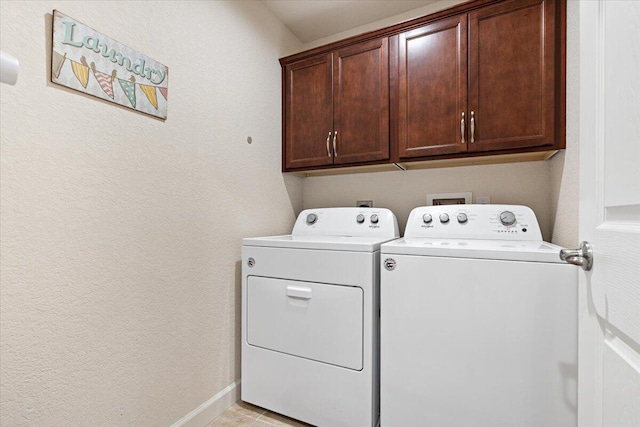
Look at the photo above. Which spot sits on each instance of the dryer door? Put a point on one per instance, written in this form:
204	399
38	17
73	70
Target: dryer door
316	321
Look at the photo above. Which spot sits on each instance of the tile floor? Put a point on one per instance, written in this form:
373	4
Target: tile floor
242	414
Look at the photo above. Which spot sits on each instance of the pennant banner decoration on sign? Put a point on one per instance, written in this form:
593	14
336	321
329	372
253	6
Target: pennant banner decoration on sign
57	61
164	92
130	90
150	91
104	80
110	60
81	71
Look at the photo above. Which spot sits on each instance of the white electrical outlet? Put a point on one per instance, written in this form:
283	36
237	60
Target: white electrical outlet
483	200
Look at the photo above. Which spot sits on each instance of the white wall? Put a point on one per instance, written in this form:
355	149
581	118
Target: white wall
565	167
120	233
401	191
436	6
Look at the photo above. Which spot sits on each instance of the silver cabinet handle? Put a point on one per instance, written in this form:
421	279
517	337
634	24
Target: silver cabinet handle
335	135
328	149
473	128
462	129
583	256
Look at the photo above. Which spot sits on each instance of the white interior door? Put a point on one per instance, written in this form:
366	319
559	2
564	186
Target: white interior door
609	359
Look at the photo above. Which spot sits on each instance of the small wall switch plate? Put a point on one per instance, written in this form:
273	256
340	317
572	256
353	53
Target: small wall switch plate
364	204
483	200
449	199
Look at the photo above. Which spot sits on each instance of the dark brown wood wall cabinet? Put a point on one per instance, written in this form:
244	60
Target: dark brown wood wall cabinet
511	75
337	107
482	78
308	112
433	89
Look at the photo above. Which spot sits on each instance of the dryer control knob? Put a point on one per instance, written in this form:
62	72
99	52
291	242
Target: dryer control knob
426	218
462	218
374	219
311	219
360	219
507	218
444	218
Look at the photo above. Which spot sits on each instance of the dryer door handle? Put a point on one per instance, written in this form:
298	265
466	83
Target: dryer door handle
298	292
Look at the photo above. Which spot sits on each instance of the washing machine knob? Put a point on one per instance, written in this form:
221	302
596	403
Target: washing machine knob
462	218
312	218
374	219
507	218
360	219
444	218
426	218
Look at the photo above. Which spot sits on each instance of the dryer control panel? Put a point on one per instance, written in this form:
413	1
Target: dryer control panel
502	222
354	222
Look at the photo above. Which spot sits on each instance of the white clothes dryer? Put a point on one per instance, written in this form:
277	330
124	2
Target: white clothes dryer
310	317
478	322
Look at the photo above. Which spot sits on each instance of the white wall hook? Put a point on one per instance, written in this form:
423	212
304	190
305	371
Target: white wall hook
9	68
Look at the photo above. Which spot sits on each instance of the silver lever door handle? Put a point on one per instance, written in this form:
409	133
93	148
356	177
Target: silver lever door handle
473	128
462	129
335	135
328	149
582	257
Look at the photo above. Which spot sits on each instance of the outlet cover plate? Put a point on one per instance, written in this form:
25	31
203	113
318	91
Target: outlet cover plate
463	198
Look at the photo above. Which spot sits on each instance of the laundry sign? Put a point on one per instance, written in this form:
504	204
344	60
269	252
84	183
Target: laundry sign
91	62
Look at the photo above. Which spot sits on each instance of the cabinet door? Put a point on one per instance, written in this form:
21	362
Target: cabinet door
433	89
361	102
308	112
511	75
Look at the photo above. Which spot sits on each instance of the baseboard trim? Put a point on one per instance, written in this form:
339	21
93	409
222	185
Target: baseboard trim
209	410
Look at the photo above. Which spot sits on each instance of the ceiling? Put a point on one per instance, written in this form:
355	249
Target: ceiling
311	20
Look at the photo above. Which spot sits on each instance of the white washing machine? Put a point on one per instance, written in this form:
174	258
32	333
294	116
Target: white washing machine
478	322
310	317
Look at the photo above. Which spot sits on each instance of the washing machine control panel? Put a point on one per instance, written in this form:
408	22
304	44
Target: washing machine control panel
508	222
356	222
